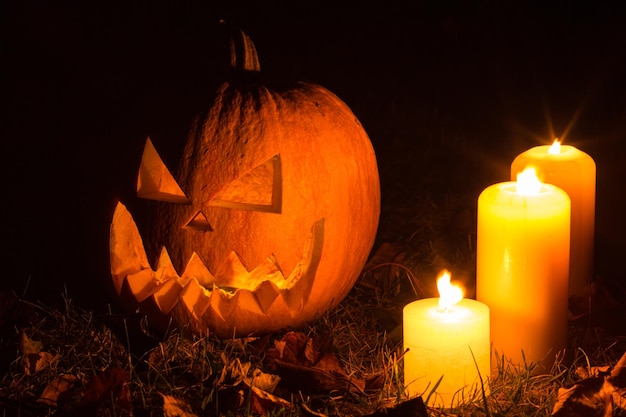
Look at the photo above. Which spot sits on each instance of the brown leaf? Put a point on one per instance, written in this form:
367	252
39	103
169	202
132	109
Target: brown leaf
330	363
618	374
292	349
314	381
375	382
56	392
310	352
619	398
29	346
33	358
299	349
176	407
233	373
263	381
35	362
264	403
107	389
591	397
584	372
305	364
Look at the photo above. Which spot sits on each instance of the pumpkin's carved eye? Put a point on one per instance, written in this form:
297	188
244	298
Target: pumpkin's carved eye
260	189
155	181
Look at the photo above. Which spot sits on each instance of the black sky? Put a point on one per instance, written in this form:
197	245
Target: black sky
83	84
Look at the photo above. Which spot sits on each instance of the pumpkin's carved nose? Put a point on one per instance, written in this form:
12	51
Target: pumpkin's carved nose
199	222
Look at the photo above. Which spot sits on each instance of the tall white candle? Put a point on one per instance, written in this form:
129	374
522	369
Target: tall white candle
522	268
448	342
575	172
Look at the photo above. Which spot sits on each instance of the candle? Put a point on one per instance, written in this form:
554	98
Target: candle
522	266
448	341
575	172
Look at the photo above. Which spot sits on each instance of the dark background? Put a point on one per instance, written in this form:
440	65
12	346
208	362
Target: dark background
84	83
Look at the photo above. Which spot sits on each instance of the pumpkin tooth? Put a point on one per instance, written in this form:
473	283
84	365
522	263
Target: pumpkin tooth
194	298
225	307
197	269
267	271
127	253
301	279
244	302
215	303
232	273
142	284
165	270
167	294
270	299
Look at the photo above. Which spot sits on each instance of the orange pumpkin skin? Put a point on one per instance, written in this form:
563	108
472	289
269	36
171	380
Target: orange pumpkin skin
281	206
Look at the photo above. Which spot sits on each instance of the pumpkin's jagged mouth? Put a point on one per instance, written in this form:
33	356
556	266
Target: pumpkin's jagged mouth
262	291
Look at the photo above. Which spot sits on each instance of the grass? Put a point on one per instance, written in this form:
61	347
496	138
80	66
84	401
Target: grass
209	376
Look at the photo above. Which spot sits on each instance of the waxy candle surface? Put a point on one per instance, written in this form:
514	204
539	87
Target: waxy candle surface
441	342
574	171
522	269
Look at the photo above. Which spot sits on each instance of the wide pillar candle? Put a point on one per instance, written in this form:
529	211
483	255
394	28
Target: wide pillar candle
574	171
522	269
451	344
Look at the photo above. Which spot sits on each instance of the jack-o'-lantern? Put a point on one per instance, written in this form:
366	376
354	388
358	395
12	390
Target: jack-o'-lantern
269	218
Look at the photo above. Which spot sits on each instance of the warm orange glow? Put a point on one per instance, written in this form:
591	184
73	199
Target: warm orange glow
555	149
258	232
527	182
449	294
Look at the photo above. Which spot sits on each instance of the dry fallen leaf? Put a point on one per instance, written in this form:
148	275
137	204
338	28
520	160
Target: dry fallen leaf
33	358
618	374
263	403
176	407
237	379
60	387
107	390
590	397
303	367
263	381
595	396
584	372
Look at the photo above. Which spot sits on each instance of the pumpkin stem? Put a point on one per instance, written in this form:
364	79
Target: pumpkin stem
243	55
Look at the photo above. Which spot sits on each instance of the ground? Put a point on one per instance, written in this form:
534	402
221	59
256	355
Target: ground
448	94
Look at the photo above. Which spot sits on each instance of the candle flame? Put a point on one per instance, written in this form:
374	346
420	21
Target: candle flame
555	149
449	294
527	182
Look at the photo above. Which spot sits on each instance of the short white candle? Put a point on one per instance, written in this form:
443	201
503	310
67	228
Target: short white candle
448	341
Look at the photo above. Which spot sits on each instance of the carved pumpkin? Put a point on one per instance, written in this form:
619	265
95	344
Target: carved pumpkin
269	218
